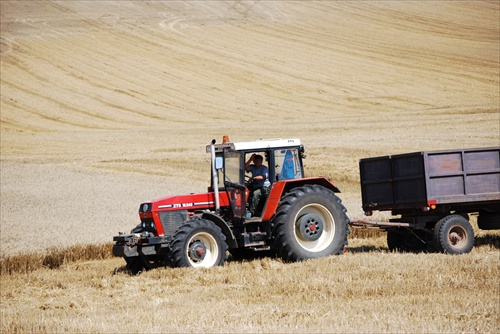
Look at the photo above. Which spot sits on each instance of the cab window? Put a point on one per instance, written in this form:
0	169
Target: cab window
287	164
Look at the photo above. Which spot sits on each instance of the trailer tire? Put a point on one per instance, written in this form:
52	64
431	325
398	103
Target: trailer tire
198	243
453	234
489	221
310	222
394	241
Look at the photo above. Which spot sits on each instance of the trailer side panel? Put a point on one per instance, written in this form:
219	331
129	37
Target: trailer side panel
456	178
463	176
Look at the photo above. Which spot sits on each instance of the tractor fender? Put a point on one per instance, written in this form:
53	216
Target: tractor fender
230	239
279	188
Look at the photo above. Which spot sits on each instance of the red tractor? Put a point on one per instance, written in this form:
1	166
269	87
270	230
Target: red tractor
297	218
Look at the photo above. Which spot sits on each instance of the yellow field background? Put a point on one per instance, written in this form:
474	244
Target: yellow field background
105	104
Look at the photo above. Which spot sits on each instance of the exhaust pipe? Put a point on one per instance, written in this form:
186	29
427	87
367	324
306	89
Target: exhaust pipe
215	184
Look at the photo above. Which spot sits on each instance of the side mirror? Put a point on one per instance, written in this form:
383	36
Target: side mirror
219	163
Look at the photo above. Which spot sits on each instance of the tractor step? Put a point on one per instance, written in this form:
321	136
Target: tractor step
253	220
253	239
260	249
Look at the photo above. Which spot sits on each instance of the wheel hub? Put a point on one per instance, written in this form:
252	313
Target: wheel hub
310	227
457	237
197	251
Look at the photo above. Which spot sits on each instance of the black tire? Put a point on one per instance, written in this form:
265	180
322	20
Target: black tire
153	261
489	221
198	243
134	264
394	241
402	240
453	234
310	222
240	254
142	262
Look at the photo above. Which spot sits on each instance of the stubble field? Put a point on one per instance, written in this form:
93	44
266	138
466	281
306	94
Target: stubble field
105	104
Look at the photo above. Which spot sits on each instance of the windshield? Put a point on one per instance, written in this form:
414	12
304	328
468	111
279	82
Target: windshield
233	167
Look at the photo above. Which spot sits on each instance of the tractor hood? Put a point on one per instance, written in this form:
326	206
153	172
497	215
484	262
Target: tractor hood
189	202
163	216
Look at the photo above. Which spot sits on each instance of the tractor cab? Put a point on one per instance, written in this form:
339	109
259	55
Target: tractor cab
282	157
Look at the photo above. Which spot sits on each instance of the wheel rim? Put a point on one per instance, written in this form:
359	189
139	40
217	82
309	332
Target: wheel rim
202	250
314	227
457	237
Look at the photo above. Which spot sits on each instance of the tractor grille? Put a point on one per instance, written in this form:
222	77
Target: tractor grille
171	220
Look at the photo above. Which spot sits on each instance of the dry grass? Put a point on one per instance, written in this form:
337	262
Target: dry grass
369	291
107	104
53	258
366	290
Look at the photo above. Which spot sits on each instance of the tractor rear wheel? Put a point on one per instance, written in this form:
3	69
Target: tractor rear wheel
310	222
198	243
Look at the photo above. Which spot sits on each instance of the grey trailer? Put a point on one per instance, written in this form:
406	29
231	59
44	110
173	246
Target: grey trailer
432	194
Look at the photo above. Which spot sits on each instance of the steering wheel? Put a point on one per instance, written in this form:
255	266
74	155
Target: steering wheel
248	182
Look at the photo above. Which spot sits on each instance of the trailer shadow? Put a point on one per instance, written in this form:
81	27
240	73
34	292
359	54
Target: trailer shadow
366	249
492	240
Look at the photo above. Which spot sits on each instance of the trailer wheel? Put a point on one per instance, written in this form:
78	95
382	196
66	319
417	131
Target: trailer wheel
310	222
393	241
488	221
198	243
453	234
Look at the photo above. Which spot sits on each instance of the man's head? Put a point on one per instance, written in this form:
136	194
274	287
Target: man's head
257	160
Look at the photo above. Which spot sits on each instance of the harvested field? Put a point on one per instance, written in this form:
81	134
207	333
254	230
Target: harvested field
105	104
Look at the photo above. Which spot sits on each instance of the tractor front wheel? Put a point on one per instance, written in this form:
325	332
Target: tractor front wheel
198	243
310	222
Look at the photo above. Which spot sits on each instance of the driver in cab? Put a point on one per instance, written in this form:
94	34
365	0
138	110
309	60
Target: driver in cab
260	181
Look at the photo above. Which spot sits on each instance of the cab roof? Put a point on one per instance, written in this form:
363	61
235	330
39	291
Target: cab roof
256	145
266	143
